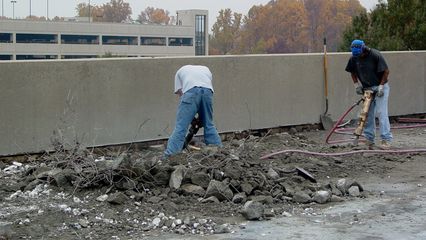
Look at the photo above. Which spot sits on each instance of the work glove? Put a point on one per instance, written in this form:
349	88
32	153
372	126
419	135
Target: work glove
358	88
380	92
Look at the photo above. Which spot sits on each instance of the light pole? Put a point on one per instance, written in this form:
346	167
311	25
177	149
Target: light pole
13	8
47	10
30	9
2	9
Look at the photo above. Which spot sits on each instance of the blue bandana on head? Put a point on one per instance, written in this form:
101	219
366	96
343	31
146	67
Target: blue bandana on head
356	47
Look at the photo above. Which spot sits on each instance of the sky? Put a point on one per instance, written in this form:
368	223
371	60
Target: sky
66	8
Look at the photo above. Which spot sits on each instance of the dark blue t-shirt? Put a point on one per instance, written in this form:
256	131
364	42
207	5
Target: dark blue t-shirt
369	69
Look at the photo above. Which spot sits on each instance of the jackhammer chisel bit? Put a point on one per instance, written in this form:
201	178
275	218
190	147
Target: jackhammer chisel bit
196	124
367	99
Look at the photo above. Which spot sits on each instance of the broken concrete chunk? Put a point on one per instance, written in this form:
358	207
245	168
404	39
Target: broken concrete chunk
336	199
177	177
117	198
247	188
193	189
253	210
201	179
302	197
239	198
354	191
344	185
220	190
154	199
262	199
211	199
322	197
224	228
272	174
102	198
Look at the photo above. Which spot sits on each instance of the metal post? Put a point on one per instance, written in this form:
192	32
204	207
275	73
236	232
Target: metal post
13	8
2	8
47	10
30	9
89	11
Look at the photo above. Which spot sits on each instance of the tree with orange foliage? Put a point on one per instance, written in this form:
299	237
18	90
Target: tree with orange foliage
290	26
155	16
278	27
114	11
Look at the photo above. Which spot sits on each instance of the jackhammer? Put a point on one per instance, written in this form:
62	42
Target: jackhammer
367	98
196	124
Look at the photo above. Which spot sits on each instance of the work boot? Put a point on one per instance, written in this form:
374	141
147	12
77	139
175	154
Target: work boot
370	144
385	145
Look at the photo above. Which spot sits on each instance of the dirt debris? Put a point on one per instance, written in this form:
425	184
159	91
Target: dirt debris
137	194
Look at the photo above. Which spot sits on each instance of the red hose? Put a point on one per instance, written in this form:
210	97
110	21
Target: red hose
344	131
336	125
402	151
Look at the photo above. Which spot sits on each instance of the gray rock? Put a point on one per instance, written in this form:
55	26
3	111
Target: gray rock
224	228
162	178
220	190
201	179
247	188
177	177
111	164
335	190
211	199
253	210
335	198
341	185
2	165
302	197
344	185
156	222
233	171
102	198
154	199
83	223
56	177
262	199
273	174
239	198
354	191
322	197
210	150
117	198
269	213
193	189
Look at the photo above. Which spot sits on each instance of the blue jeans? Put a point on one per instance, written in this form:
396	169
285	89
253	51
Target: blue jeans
379	108
196	100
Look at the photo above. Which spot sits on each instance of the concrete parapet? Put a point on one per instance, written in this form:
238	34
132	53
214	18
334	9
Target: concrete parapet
114	101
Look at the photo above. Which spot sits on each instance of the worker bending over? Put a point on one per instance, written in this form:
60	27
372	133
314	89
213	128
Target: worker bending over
193	83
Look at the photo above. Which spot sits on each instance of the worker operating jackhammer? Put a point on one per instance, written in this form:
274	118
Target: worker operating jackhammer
369	70
193	83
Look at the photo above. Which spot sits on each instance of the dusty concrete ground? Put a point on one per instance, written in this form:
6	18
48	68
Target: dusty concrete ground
37	204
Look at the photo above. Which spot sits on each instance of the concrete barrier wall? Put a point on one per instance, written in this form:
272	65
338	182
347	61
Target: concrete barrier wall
114	101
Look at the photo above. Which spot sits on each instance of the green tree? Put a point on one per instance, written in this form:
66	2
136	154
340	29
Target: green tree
392	25
226	30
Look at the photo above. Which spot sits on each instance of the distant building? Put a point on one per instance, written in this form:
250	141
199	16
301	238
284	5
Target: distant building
24	40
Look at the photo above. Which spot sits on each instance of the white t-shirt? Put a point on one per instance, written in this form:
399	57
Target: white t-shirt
190	76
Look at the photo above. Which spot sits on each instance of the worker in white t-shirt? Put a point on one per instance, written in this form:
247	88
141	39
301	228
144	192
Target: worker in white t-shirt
193	83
